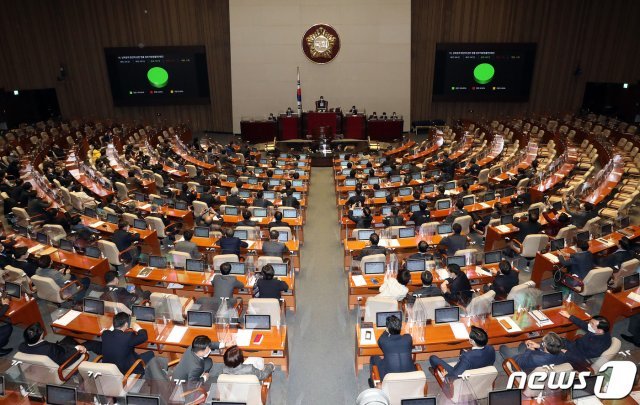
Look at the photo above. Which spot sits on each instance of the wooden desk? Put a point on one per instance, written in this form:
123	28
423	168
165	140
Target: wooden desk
80	265
619	305
401	246
184	216
400	149
612	179
274	347
210	243
295	224
543	266
495	237
197	284
360	294
191	159
24	312
439	339
148	237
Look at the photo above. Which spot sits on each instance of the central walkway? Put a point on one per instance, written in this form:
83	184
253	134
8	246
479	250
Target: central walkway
321	332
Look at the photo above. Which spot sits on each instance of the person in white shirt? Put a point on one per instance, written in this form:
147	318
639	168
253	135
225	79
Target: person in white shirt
396	288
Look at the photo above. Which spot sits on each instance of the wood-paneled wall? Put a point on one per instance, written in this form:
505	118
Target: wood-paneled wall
36	36
600	36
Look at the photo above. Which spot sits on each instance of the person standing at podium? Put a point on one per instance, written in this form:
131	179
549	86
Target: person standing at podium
289	112
322	105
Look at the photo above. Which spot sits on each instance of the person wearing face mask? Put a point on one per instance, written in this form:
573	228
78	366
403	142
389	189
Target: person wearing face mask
195	363
480	355
592	344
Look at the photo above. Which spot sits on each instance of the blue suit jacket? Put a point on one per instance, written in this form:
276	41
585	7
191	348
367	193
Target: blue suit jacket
397	354
231	245
588	345
531	359
118	347
472	359
580	263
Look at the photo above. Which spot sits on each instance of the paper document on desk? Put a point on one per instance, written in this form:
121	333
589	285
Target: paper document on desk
146	206
359	280
65	319
176	334
505	321
393	243
459	330
250	243
363	336
243	337
97	224
485	205
48	251
551	257
175	286
442	273
634	296
635	395
483	272
541	318
503	228
35	248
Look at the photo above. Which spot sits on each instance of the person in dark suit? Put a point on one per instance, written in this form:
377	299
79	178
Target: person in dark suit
456	288
114	293
260	201
364	221
269	286
396	351
290	201
278	221
579	263
229	244
21	261
5	329
427	289
209	199
456	241
504	280
621	255
322	104
246	219
480	355
530	227
195	364
119	344
473	169
372	249
60	352
124	239
592	344
234	199
423	253
530	354
272	247
187	246
448	167
580	217
554	224
357	199
421	216
457	212
394	219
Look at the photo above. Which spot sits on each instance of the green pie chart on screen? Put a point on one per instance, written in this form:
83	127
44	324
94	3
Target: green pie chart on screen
158	77
483	73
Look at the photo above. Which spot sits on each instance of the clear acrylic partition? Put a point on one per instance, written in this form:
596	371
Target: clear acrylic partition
241	392
416	322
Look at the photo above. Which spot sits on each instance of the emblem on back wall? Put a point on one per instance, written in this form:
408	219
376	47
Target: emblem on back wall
321	43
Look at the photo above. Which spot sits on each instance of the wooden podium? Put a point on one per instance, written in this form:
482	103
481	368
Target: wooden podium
289	127
331	122
353	126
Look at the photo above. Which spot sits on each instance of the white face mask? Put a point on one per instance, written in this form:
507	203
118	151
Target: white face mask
591	329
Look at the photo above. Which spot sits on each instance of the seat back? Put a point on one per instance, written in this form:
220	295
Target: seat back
465	222
158	180
469	255
558	368
122	190
191	170
378	304
38	368
283	229
157	225
168	305
428	305
76	202
481	304
110	251
399	386
372	258
244	389
199	207
219	259
265	306
567	232
595	281
129	218
54	232
592	226
607	354
179	259
533	244
474	384
628	268
47	289
519	288
102	379
264	260
66	195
